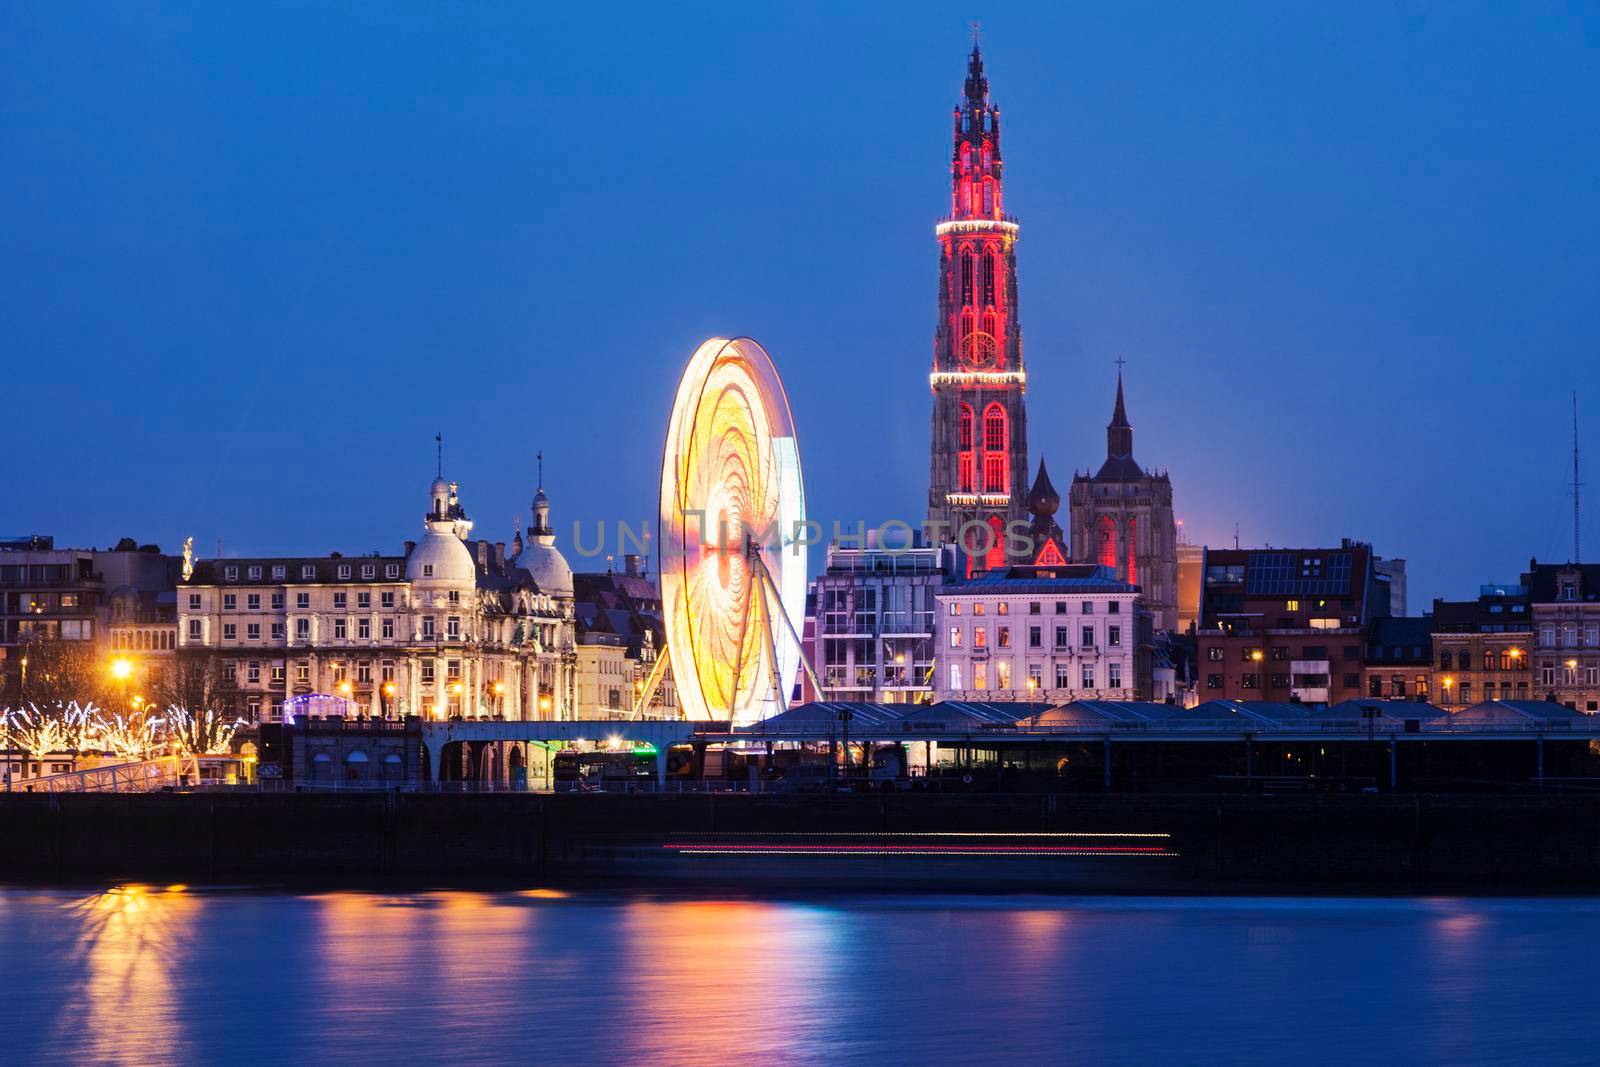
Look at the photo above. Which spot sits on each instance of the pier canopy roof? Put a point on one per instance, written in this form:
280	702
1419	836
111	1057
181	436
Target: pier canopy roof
1509	713
1104	714
1389	711
956	716
1243	713
821	716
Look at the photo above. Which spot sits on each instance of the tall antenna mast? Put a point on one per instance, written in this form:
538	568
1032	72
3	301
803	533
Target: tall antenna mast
1577	551
438	442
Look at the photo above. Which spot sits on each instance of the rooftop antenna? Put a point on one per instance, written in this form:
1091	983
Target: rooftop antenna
977	34
1577	553
540	457
438	441
1236	537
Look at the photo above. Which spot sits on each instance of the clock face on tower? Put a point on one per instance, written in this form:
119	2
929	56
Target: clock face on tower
978	352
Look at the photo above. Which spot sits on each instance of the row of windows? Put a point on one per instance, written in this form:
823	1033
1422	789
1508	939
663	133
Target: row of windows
1503	660
996	440
308	571
342	629
1087	675
1549	674
1035	607
1284	681
985	157
1569	636
985	198
339	672
1280	653
1086	637
162	640
302	600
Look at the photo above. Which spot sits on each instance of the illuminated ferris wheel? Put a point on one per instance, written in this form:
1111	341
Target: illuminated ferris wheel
732	561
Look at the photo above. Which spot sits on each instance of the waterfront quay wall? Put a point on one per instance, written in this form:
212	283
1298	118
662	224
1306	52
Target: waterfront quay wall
1245	842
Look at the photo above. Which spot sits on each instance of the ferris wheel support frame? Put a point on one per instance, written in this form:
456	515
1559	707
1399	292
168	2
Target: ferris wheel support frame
770	598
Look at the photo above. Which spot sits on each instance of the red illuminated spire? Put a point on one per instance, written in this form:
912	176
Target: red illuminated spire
980	449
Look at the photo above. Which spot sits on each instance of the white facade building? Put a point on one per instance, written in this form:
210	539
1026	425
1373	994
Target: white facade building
451	628
1042	633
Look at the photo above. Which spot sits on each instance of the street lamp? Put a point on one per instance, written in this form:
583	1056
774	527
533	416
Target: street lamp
122	670
1447	684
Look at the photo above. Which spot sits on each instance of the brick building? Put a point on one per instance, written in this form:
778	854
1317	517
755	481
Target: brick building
1287	623
1482	647
1399	659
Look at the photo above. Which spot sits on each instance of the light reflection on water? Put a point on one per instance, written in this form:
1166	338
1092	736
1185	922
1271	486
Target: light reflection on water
152	975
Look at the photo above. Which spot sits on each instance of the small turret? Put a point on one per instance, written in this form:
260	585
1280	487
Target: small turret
1043	500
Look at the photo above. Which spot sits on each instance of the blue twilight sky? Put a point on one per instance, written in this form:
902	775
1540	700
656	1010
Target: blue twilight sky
255	255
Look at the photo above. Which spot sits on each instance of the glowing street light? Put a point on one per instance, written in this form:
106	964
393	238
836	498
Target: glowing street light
388	689
121	668
345	688
499	688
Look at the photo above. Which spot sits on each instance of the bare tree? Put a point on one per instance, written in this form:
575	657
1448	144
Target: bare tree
61	672
197	682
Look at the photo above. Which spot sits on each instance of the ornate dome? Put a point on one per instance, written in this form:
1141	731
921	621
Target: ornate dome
548	568
441	556
541	560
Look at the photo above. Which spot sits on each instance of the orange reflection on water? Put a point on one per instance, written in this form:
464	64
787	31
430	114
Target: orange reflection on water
132	942
377	954
725	981
1039	935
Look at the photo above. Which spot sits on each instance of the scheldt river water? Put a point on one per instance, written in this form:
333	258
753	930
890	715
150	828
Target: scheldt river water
179	975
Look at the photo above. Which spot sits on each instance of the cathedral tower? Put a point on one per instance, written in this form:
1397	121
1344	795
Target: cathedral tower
979	465
1122	518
